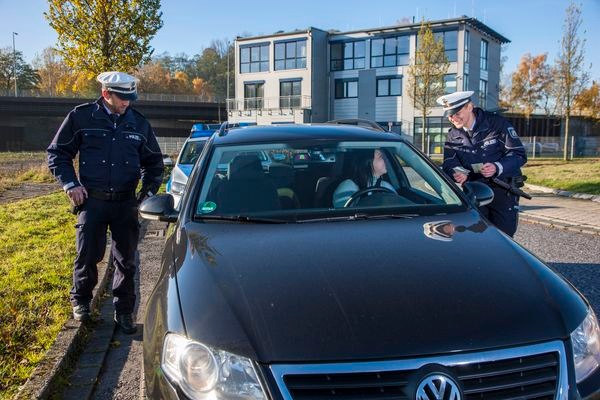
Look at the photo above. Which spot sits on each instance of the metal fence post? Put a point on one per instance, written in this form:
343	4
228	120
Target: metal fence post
572	145
534	141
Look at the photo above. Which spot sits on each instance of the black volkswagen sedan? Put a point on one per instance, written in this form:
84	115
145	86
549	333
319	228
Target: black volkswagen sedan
365	274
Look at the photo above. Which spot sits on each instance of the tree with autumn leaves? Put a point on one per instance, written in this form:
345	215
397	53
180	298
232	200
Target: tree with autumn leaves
426	74
104	35
531	85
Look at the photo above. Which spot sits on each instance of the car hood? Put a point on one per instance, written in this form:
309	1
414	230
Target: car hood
365	290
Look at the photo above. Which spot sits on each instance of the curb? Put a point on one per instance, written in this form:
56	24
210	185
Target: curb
554	223
563	193
67	344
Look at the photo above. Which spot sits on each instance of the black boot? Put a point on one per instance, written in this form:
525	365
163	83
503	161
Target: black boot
125	322
81	312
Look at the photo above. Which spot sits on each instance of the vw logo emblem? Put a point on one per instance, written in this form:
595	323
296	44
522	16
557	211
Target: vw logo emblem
438	387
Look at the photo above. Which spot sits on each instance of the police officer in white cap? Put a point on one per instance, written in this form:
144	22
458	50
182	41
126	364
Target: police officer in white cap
117	148
481	146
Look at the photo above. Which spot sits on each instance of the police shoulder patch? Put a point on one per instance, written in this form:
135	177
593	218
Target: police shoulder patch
512	132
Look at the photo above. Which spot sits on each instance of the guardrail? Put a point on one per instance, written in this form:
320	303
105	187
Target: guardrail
269	103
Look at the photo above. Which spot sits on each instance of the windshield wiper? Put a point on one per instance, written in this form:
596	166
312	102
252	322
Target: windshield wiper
241	218
359	216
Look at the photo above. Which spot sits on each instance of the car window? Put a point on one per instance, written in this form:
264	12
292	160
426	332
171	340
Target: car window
297	180
191	151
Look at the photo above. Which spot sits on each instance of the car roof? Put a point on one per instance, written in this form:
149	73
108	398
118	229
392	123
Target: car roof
316	132
197	138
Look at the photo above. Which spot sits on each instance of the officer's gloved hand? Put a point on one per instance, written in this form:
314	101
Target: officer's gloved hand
143	195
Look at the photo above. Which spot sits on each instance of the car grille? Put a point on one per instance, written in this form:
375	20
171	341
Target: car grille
533	372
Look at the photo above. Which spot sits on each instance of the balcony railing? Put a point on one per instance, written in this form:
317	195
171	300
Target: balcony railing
269	103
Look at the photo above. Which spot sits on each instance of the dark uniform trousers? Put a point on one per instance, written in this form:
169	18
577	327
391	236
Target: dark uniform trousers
503	211
121	217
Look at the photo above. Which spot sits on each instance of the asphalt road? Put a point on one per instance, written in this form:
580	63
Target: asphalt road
576	256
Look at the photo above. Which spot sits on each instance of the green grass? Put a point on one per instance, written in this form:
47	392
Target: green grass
37	248
23	156
579	175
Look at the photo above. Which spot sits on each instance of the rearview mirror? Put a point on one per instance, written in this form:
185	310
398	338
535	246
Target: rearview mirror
159	208
479	193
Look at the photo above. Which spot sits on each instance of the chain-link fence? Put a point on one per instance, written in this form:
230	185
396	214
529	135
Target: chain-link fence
554	146
171	145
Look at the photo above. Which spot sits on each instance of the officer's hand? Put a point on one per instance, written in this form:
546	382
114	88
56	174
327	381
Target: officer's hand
77	195
488	170
459	178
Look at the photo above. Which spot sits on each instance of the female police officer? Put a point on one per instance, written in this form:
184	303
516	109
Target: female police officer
116	147
481	146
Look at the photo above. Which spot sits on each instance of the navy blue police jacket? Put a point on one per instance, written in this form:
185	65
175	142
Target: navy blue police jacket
113	156
493	140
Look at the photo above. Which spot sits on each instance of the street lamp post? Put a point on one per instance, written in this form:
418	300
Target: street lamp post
15	62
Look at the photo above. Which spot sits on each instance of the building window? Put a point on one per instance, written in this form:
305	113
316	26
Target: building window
254	58
346	88
482	93
290	54
467	39
391	126
253	95
389	86
483	60
465	81
289	93
449	83
435	133
450	39
390	52
347	55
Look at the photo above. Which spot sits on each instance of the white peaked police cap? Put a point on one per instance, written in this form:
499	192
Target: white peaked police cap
453	102
120	83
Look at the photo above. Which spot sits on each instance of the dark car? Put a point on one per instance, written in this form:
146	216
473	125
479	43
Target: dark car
269	291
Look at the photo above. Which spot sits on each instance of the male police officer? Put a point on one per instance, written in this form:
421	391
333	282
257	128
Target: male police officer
116	147
482	146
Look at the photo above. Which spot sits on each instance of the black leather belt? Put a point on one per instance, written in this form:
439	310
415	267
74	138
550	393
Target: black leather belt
110	196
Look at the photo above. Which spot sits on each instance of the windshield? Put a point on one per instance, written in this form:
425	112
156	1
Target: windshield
191	151
296	181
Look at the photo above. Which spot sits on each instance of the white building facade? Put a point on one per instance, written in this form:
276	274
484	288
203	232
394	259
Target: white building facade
315	76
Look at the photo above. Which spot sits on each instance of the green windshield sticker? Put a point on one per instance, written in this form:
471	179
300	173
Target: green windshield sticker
208	207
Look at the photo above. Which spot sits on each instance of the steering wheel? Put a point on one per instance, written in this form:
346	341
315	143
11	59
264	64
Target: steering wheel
362	193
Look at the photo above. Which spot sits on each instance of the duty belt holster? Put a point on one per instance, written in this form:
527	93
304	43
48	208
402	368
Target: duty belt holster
110	196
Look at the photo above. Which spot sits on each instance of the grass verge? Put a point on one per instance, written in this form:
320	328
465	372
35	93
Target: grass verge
579	175
17	168
37	247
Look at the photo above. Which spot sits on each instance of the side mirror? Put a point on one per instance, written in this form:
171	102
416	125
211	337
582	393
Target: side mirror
479	193
159	208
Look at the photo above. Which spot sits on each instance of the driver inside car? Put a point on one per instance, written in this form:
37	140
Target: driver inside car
369	167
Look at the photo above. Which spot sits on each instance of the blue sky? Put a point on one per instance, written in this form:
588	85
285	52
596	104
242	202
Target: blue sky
533	26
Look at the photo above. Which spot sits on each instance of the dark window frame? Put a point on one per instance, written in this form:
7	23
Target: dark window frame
251	61
339	64
286	57
256	102
293	100
482	95
345	84
455	83
483	55
389	85
386	53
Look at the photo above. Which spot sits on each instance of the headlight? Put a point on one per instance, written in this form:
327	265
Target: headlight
203	373
177	187
586	346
